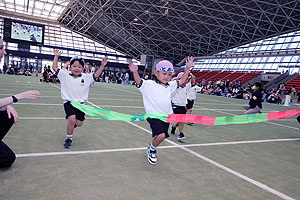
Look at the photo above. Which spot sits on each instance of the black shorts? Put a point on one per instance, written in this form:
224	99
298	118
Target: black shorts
190	104
70	110
179	109
158	127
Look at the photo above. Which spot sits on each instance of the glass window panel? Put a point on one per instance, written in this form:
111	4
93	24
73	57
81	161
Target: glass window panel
271	59
294	45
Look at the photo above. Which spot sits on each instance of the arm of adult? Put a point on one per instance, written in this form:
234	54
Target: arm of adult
12	112
31	94
189	64
103	64
57	53
134	68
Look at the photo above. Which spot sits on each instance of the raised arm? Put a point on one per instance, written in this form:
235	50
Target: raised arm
189	64
31	94
103	64
86	66
193	81
66	65
134	68
57	53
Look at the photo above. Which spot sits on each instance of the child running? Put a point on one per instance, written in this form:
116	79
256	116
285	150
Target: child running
74	87
157	99
191	96
179	101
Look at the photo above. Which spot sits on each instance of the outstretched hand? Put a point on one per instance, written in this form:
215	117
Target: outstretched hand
31	94
104	61
57	52
132	66
12	112
189	62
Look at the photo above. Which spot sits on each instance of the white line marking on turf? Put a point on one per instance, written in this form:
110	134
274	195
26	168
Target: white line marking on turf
283	125
143	148
77	152
40	104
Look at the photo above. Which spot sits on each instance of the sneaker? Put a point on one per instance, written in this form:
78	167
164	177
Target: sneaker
75	125
173	129
181	137
190	123
152	158
68	143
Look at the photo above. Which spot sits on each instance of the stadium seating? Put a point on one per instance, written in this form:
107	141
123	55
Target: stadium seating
234	75
247	77
197	74
207	76
220	75
295	81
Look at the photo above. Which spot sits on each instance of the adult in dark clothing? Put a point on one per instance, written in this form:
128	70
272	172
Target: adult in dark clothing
255	103
9	116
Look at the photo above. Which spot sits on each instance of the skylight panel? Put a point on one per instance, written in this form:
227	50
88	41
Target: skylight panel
48	6
39	5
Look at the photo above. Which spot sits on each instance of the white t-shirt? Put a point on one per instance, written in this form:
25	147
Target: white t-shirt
74	89
192	92
179	97
157	97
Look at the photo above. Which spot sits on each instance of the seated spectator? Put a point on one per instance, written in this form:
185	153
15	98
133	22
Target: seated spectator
27	73
45	76
272	98
239	94
255	103
218	91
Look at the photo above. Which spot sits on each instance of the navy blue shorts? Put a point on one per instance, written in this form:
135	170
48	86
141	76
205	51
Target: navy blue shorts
158	127
70	110
190	104
179	109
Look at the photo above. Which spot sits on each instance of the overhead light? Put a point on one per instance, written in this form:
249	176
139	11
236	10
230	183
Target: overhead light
135	19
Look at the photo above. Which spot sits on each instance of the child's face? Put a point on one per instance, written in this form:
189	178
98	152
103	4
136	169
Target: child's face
76	68
163	76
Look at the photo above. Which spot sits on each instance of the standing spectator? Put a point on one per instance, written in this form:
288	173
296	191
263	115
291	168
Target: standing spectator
239	84
292	92
298	93
227	84
281	89
4	67
127	77
93	68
